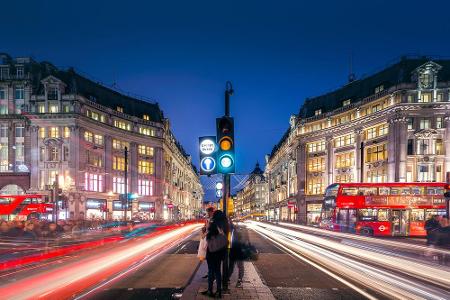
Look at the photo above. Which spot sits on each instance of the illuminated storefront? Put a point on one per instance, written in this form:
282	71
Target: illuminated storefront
96	209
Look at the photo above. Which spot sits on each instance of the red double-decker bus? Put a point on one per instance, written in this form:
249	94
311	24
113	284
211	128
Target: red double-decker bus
382	209
23	207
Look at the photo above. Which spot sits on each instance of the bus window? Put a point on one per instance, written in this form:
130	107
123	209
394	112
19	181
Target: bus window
417	190
435	191
395	191
434	212
368	214
417	215
349	191
4	201
405	191
383	215
332	190
383	191
367	191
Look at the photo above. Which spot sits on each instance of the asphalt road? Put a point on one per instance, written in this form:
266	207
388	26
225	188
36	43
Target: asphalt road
291	278
161	278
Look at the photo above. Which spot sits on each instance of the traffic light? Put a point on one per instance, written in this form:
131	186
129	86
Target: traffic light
225	141
208	151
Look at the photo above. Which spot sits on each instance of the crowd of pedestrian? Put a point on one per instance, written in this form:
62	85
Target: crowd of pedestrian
35	229
438	231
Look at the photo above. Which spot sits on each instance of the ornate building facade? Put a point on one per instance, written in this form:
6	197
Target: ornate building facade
59	127
252	199
393	126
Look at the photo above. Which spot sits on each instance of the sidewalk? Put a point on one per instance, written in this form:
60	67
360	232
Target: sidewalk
252	286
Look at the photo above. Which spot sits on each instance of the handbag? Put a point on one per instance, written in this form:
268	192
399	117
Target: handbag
217	242
201	254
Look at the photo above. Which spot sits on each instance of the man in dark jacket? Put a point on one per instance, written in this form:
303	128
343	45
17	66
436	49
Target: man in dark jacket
431	226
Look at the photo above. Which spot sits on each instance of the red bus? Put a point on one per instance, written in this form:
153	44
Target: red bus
382	209
23	207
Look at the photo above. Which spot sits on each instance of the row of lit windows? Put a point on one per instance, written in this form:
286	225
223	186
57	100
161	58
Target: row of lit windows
53	132
120	145
376	153
146	131
122	125
95	116
316	164
146	150
316	146
93	182
377	131
345	160
344	140
144	167
93	138
425	123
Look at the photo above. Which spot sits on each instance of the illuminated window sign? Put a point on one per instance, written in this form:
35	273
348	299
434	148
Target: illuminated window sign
117	205
95	203
146	206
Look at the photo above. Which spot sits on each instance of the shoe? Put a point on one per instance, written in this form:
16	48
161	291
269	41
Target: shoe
218	294
206	292
206	276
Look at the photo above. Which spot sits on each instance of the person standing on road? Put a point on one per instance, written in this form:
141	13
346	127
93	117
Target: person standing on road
431	226
216	249
238	240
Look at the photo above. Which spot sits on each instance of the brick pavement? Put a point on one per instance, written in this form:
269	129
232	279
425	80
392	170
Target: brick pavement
252	286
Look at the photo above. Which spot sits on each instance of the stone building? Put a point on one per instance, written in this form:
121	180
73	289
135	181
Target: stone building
392	126
59	127
252	199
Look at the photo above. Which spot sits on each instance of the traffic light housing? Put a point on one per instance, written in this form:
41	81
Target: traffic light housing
226	162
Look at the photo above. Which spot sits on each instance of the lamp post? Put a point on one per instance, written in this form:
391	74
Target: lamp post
125	210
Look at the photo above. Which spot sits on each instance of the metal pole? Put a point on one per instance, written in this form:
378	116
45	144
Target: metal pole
125	210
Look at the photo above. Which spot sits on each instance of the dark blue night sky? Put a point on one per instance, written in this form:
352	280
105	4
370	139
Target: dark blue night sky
181	53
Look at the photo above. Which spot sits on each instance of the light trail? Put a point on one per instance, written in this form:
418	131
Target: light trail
390	276
74	277
382	242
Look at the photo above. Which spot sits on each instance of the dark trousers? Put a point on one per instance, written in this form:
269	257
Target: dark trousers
214	262
240	265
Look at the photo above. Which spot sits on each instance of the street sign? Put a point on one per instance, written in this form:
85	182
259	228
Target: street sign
208	164
219	193
208	152
207	146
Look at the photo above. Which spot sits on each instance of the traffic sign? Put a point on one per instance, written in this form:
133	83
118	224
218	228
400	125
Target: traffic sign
207	146
208	164
219	193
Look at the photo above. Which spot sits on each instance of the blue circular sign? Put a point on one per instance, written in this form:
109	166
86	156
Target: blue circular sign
208	164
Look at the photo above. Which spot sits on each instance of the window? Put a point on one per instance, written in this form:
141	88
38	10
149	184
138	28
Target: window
377	131
376	153
439	123
317	112
379	88
424	173
424	124
146	131
316	146
440	97
409	173
145	187
118	185
345	160
94	159
122	125
52	93
119	145
344	177
410	123
98	139
439	147
145	150
53	153
19	93
52	177
19	131
425	98
120	109
4	72
66	153
410	147
423	146
344	140
53	132
3	102
346	102
20	155
66	133
42	132
145	167
19	71
316	164
41	108
378	175
88	137
411	98
93	182
316	186
95	116
66	108
53	108
2	93
376	108
146	117
118	163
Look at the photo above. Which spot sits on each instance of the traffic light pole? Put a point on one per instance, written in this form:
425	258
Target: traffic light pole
226	191
125	210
